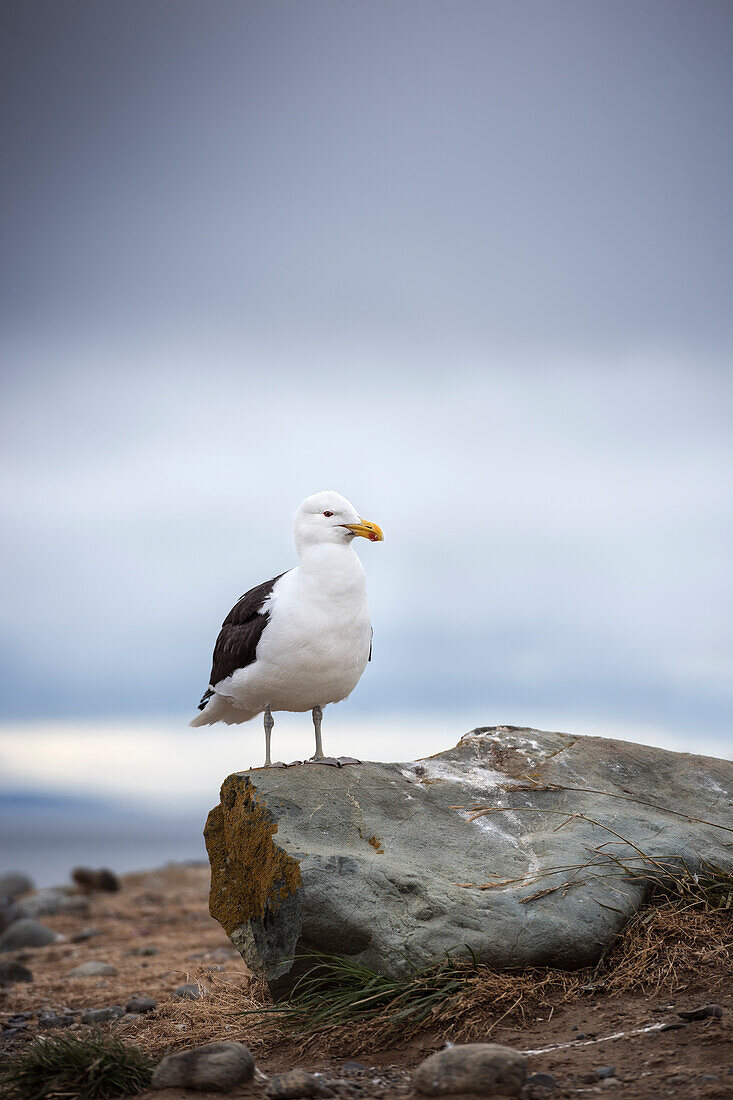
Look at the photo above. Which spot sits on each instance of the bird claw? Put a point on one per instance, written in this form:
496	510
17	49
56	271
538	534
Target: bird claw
335	762
293	763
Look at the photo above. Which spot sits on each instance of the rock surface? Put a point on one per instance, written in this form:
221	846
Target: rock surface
486	1069
382	861
216	1067
26	933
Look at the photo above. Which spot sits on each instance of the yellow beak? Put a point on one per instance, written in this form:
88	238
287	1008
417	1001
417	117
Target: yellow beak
367	530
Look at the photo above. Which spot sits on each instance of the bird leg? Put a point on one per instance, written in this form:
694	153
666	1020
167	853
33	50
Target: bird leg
317	719
319	758
269	723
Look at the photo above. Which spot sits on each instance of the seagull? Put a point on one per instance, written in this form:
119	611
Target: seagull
303	639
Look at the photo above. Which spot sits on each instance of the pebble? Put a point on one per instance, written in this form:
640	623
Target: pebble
352	1067
216	1067
93	969
13	883
543	1080
85	934
146	949
484	1068
26	933
47	1021
609	1082
674	1025
700	1013
102	1015
189	992
11	972
50	901
8	912
604	1071
294	1083
224	954
141	1004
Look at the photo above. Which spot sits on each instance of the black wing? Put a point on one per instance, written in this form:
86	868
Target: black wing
240	633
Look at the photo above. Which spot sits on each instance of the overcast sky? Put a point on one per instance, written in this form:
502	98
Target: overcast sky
469	263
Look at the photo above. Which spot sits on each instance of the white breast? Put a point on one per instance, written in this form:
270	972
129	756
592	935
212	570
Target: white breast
315	646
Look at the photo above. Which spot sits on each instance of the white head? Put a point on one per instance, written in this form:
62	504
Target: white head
329	518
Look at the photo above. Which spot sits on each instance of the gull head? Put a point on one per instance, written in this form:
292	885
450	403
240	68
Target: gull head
328	517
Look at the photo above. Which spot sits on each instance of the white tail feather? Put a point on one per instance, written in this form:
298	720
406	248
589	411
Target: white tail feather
220	709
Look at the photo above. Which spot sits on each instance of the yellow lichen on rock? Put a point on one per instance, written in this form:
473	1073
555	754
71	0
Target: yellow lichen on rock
250	873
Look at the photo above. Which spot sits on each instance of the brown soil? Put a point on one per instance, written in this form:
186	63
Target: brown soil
168	909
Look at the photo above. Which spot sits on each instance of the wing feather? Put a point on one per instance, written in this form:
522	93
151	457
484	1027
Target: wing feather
236	646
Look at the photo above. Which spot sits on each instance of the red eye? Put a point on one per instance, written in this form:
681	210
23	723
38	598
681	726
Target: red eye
328	514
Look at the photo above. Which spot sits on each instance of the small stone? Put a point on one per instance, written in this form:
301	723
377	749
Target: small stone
146	949
48	1021
674	1025
85	934
352	1067
484	1068
44	903
188	992
543	1080
102	1015
26	932
709	1077
93	969
141	1004
700	1013
610	1082
13	883
604	1071
11	972
224	954
90	881
216	1067
294	1083
47	903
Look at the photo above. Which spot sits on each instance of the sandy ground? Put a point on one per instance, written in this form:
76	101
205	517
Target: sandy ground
167	910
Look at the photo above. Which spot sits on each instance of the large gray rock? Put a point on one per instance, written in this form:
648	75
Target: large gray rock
383	862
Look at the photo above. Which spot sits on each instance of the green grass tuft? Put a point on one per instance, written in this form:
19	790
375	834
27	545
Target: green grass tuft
337	990
69	1068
